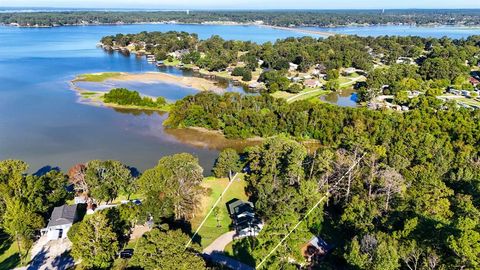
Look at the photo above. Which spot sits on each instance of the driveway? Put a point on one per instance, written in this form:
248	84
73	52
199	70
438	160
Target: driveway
51	255
220	243
215	253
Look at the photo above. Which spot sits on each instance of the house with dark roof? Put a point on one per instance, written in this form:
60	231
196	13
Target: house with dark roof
314	251
245	222
61	220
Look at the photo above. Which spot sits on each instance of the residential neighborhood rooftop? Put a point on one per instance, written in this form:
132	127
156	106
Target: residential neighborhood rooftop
62	215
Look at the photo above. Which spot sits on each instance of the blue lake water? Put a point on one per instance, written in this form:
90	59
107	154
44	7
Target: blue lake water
42	123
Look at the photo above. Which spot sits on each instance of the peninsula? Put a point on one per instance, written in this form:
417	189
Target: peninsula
98	97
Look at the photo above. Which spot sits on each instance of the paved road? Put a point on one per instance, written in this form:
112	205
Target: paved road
215	252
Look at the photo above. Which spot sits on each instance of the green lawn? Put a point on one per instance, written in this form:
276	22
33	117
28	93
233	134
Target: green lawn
344	80
174	62
98	77
282	94
88	94
9	258
210	231
307	93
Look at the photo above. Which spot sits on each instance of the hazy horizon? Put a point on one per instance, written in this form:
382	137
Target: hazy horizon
244	5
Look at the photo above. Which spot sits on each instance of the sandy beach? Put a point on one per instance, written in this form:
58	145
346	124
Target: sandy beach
193	82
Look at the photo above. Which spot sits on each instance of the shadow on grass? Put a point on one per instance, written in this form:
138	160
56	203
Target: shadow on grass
5	244
242	251
10	262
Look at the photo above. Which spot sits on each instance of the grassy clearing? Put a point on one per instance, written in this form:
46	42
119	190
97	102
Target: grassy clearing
98	77
307	93
282	94
9	258
174	62
211	230
88	94
344	80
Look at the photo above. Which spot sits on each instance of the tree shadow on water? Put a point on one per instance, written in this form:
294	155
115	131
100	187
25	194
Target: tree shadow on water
46	169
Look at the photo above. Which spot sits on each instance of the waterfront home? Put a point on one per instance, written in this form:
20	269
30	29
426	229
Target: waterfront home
178	54
405	60
245	222
151	58
349	71
296	79
61	220
254	85
292	67
312	83
321	68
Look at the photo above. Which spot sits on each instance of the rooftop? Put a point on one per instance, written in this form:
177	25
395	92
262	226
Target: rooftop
63	215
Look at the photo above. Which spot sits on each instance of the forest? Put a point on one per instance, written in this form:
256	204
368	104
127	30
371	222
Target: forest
269	17
123	96
385	190
392	65
392	191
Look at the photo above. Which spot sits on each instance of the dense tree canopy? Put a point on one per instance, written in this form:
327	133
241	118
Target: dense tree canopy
227	164
172	188
278	17
105	179
159	249
94	242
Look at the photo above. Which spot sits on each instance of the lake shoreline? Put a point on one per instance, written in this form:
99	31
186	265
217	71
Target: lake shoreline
232	23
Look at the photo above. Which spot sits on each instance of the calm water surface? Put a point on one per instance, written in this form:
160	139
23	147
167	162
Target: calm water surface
41	122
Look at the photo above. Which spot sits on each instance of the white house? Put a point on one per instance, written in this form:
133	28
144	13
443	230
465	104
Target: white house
292	66
60	222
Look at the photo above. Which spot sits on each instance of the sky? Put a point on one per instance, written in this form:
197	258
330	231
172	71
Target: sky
244	4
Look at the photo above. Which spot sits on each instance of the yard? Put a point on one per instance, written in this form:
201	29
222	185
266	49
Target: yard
347	81
9	258
98	77
307	93
211	229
